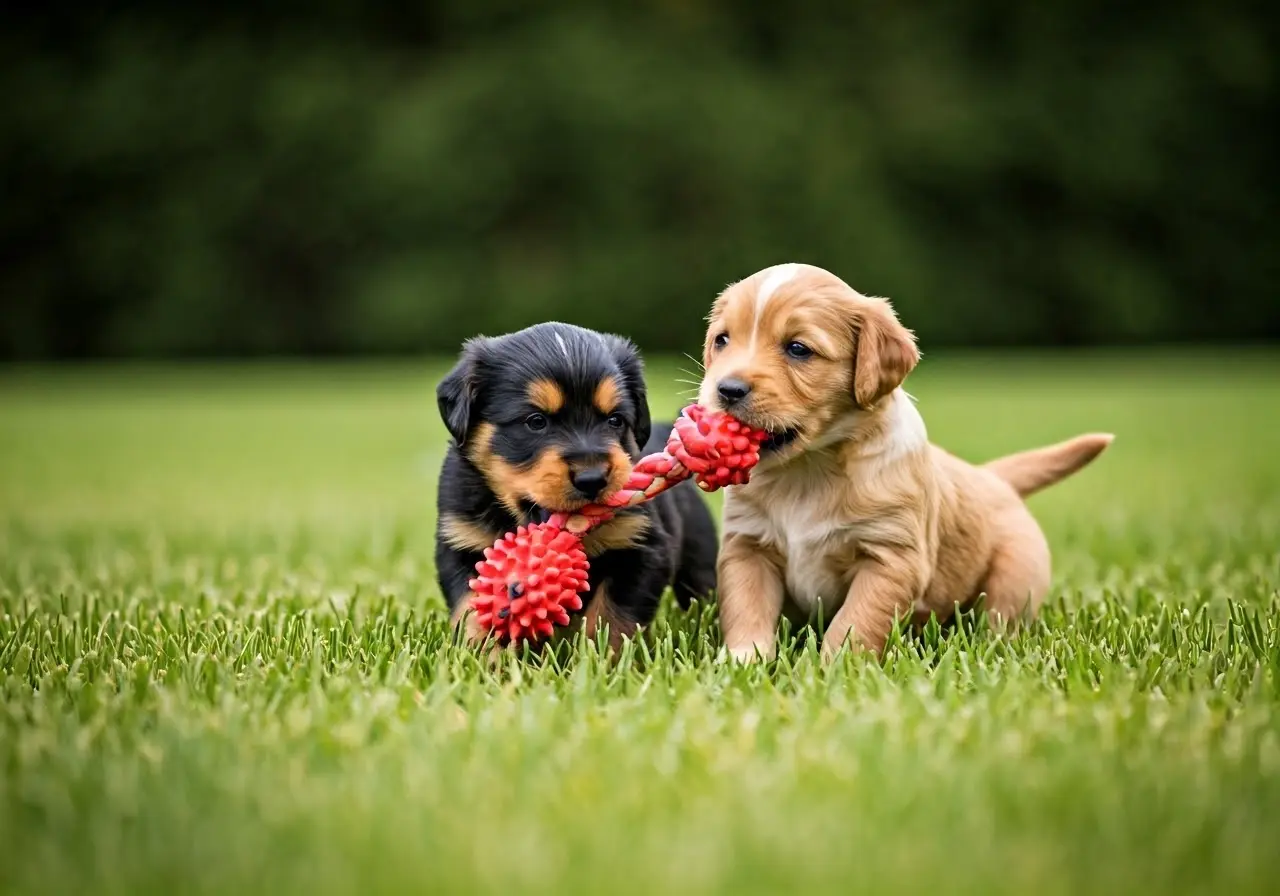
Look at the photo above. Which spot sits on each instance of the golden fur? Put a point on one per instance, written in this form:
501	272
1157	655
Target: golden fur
602	613
859	519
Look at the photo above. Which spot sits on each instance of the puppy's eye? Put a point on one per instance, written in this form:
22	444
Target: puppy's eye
798	350
536	422
615	421
721	340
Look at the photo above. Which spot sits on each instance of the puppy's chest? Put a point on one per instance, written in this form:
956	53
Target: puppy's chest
818	548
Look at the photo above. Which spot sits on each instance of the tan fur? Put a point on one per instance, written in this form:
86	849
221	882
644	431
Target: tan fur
750	595
886	354
860	520
608	396
546	395
465	535
619	471
545	481
603	613
464	616
618	533
1030	471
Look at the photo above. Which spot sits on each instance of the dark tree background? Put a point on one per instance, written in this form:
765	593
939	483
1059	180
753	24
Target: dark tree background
340	176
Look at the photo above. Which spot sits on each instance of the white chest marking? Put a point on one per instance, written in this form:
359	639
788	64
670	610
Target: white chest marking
801	530
800	521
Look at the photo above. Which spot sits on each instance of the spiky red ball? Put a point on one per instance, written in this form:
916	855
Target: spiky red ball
529	582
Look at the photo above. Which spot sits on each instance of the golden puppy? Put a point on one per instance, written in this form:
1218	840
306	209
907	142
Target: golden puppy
852	514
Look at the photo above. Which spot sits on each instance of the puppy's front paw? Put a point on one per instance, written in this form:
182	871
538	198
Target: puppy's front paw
751	653
477	638
832	648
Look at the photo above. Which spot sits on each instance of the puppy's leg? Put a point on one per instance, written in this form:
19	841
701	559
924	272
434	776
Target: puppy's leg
881	593
627	587
750	598
455	567
602	612
1018	574
699	545
465	617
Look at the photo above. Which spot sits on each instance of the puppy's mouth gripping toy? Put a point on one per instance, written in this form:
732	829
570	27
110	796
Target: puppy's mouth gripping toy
532	579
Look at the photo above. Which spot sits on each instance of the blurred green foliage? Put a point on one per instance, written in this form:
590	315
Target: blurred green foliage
342	177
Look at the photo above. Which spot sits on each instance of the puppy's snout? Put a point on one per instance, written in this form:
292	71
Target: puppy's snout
589	482
732	390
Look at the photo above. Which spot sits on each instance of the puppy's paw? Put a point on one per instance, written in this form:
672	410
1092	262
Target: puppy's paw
833	648
477	638
751	653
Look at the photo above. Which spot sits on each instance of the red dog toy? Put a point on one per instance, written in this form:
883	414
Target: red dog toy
531	579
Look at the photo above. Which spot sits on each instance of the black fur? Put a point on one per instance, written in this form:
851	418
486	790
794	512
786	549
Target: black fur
490	385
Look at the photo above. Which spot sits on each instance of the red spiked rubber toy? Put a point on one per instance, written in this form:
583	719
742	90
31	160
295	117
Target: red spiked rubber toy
529	582
531	579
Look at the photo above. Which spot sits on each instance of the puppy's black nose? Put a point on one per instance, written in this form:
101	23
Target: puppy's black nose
589	483
732	390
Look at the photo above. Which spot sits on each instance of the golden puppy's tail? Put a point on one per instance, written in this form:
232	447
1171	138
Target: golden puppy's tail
1030	471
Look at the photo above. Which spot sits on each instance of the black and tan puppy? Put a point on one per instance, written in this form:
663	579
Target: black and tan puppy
548	419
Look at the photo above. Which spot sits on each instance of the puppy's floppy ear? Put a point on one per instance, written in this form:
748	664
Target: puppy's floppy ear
457	392
886	352
631	366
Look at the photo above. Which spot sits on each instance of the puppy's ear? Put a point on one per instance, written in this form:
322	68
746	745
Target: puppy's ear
886	352
457	392
631	366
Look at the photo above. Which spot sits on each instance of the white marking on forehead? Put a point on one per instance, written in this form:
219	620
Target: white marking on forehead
564	348
773	278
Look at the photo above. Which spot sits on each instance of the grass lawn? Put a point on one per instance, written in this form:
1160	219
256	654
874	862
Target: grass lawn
225	665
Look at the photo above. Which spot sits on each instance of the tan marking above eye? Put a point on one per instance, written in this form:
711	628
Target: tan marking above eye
607	396
546	395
